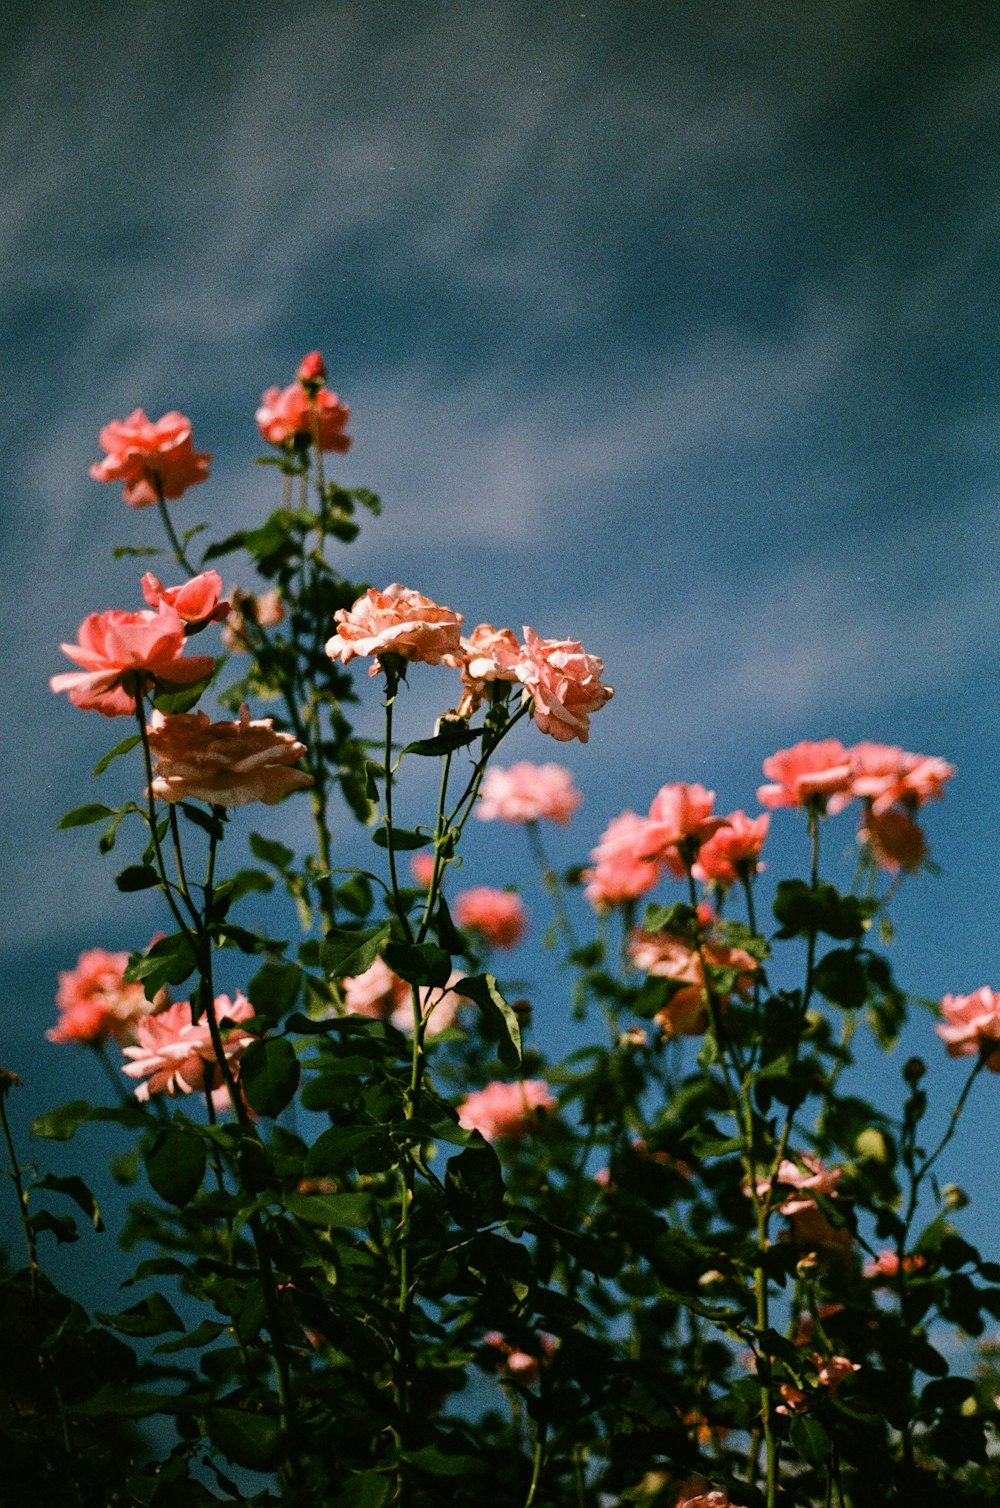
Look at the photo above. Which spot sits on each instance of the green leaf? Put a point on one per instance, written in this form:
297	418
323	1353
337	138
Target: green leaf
350	951
231	936
151	1316
274	989
61	1124
332	1210
451	734
355	895
171	960
474	1187
74	1188
250	1439
499	1019
114	1398
63	1227
169	697
365	1489
841	976
175	1165
137	877
810	1439
402	838
440	1464
269	1075
335	1148
122	748
201	1335
83	816
419	963
270	851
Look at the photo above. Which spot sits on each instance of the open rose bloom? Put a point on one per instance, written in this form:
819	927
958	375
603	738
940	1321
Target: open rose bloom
225	764
154	460
971	1023
528	793
665	956
497	915
174	1054
95	1003
397	621
487	656
564	683
196	601
122	654
293	413
502	1110
619	873
807	773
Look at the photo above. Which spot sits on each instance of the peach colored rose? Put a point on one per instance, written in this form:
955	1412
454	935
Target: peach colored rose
806	773
173	1053
265	610
497	915
196	601
489	654
666	956
122	654
152	459
94	1001
397	621
225	764
618	873
971	1022
895	839
564	684
375	993
528	793
292	413
507	1110
680	819
733	851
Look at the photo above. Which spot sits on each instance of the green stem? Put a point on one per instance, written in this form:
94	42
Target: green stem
6	1080
550	880
175	543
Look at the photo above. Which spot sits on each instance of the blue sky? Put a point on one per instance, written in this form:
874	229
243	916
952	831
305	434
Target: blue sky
672	327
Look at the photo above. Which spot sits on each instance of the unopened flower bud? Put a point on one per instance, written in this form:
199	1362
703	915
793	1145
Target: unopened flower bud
913	1071
312	371
953	1197
522	1010
711	1277
872	1145
808	1264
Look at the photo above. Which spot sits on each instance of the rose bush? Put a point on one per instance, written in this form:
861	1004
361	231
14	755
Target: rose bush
389	1248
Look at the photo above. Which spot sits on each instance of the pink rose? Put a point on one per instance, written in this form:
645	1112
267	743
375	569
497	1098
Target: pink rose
895	839
564	684
311	369
886	1264
497	915
153	460
833	1371
422	868
196	601
971	1022
225	764
807	1175
733	851
438	1007
507	1109
680	819
122	654
619	873
375	993
885	774
715	1498
293	413
266	610
94	1001
397	621
528	793
173	1053
806	773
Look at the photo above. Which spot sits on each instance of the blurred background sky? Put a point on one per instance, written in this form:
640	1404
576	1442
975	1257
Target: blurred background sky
672	327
